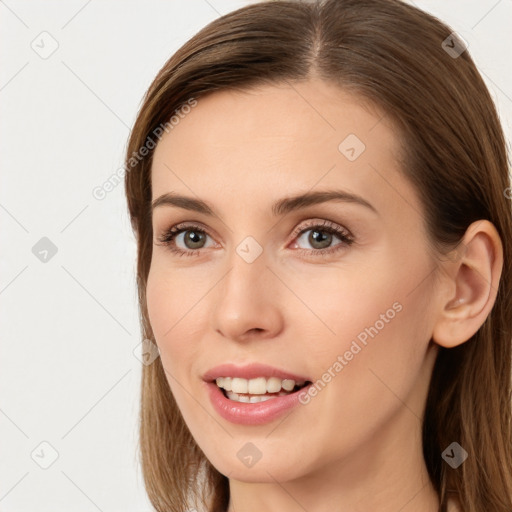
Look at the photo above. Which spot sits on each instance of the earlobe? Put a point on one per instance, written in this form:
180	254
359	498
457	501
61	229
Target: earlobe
473	280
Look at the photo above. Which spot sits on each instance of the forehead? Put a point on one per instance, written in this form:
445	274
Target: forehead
268	140
305	112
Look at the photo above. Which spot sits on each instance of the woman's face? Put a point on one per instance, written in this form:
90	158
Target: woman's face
335	292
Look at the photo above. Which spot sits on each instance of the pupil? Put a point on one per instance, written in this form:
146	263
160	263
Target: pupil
194	238
318	237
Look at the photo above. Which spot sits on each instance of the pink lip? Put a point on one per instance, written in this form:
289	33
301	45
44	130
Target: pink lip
250	371
252	414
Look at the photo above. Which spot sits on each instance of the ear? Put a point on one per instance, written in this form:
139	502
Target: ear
471	285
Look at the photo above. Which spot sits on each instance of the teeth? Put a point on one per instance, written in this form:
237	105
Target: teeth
253	399
273	385
257	386
239	385
228	383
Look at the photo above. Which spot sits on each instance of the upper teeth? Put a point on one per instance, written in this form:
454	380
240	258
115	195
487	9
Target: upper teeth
257	386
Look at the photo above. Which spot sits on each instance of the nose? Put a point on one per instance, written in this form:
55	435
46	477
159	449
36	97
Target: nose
247	301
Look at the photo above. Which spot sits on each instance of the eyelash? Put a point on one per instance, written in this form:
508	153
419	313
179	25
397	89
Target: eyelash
167	238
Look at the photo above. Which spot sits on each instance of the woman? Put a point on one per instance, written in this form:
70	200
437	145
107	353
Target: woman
319	195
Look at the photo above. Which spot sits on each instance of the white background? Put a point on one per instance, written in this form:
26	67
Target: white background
69	326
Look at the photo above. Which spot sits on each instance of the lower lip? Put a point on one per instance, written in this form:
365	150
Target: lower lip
252	414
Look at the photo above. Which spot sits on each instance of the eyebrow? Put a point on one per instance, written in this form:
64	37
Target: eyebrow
280	207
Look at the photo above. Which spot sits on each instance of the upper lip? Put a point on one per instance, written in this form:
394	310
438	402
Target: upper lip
250	371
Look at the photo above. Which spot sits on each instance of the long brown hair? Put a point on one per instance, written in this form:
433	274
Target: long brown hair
397	57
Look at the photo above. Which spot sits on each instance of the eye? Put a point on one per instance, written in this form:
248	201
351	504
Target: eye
193	238
322	234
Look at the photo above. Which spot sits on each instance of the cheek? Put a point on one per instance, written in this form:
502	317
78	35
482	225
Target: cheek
372	332
178	312
377	356
340	302
170	303
161	303
362	385
173	297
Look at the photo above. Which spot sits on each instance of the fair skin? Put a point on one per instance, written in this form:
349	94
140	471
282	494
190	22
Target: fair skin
356	446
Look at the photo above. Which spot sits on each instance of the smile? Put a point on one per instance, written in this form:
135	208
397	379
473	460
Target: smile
259	389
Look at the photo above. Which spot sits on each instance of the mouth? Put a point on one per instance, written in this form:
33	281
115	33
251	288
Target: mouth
259	389
255	393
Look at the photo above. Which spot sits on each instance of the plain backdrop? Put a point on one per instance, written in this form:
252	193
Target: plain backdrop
71	81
